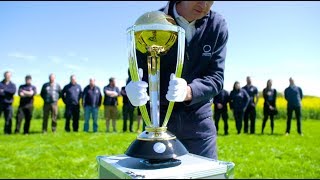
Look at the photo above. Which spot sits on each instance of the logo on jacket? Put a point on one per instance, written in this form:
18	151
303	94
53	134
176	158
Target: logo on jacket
206	50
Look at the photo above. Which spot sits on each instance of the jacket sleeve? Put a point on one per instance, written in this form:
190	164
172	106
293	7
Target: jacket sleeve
34	90
43	92
275	97
286	94
63	96
80	94
265	97
231	100
84	96
211	84
19	90
301	94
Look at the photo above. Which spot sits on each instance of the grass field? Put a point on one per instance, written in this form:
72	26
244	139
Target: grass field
73	155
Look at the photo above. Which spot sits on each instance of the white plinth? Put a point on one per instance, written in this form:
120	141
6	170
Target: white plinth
192	166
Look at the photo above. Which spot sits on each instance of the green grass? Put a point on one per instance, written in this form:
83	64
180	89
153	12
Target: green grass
73	155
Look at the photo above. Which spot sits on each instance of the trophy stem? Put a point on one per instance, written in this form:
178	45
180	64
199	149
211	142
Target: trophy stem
154	90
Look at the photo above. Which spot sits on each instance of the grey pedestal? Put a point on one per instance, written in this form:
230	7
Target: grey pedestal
192	166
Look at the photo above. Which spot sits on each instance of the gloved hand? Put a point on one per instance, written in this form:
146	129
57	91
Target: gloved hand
137	91
177	90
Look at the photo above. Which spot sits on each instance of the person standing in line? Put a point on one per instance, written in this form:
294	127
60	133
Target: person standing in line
26	93
221	109
127	110
269	106
111	93
239	100
250	112
50	93
71	95
91	100
7	90
293	94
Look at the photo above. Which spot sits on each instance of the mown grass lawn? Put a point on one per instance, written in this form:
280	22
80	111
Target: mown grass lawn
73	155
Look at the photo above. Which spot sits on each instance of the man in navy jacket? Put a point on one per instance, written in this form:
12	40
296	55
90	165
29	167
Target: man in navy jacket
293	94
202	77
26	92
71	95
91	100
221	109
7	90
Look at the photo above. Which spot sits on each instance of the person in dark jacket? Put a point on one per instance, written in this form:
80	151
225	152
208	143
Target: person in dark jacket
221	109
91	100
71	95
239	100
111	93
26	93
269	105
202	76
250	112
50	93
127	110
293	94
7	90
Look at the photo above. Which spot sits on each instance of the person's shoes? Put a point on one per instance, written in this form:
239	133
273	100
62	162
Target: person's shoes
26	134
301	134
44	132
114	131
16	132
226	133
287	134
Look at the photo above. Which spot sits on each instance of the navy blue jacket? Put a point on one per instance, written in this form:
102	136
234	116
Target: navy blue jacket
27	101
252	92
222	98
203	69
92	97
294	95
110	101
270	96
239	100
6	92
71	94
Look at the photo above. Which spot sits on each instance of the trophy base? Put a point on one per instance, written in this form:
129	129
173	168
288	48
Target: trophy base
158	164
156	146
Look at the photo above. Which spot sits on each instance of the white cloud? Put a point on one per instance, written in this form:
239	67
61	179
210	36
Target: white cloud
22	56
73	67
55	59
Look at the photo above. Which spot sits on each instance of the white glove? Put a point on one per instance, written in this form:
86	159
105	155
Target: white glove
137	91
177	90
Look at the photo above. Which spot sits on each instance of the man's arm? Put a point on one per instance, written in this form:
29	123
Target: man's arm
43	91
202	89
63	94
10	90
286	94
301	94
246	100
100	98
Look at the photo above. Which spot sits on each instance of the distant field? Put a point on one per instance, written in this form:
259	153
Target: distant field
73	155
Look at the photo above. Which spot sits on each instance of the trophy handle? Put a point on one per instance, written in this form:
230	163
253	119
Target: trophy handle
179	66
133	68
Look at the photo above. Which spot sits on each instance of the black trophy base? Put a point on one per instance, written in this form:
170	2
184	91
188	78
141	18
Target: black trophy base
156	150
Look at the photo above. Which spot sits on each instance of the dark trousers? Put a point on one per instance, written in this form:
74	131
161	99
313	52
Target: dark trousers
297	110
217	115
8	113
238	117
267	113
24	112
72	111
250	113
47	109
127	111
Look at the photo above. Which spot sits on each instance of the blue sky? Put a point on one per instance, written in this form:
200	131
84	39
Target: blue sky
266	40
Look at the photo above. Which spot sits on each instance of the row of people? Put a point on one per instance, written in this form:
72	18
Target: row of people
71	94
243	101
